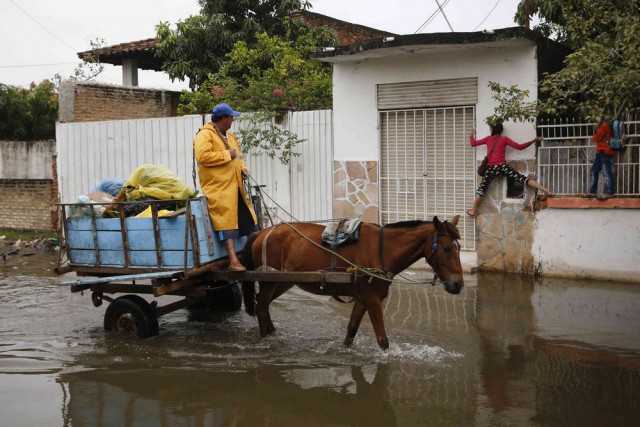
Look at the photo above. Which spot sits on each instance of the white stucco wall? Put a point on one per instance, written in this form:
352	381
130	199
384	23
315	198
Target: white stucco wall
354	92
588	243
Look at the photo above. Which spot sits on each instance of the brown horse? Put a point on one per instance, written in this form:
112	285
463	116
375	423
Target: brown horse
389	249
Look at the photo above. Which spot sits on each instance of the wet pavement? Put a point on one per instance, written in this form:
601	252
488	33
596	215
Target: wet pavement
509	350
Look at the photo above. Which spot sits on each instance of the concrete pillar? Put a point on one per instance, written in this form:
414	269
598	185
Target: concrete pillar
130	72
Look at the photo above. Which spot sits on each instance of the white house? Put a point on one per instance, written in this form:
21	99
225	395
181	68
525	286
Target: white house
404	107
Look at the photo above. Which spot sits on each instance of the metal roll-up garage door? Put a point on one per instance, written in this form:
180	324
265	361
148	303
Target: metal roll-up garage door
427	167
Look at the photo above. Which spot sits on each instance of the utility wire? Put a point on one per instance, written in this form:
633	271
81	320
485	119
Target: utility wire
430	18
37	65
490	12
445	16
44	28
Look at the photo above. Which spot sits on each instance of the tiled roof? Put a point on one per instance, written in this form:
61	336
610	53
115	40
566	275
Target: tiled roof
144	50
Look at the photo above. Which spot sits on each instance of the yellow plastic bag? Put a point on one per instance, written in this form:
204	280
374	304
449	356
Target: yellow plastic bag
158	182
147	213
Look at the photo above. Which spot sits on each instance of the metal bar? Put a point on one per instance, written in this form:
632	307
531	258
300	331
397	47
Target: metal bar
170	308
286	276
114	288
124	277
194	240
125	237
186	237
66	232
156	233
96	251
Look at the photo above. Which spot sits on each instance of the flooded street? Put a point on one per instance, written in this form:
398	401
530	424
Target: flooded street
509	350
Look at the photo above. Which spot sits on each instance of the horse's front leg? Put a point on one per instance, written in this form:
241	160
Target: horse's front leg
374	308
354	322
263	299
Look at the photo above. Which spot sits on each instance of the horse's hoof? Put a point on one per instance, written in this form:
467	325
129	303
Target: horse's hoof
348	341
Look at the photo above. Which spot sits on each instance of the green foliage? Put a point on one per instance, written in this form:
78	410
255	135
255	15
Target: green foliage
274	76
512	105
28	114
261	134
89	68
198	45
601	77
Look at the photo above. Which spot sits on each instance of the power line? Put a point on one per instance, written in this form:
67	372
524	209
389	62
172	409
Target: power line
445	16
37	65
430	18
490	12
44	28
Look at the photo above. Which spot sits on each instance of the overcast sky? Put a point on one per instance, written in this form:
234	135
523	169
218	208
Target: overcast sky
39	38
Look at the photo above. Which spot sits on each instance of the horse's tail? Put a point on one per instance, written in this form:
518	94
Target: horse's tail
249	288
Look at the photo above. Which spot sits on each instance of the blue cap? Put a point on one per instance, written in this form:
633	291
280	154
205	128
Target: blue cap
224	110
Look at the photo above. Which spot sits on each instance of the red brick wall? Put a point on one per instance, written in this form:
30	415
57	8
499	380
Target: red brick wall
346	32
26	204
83	102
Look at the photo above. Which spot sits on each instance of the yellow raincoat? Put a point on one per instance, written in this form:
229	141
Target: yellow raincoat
221	177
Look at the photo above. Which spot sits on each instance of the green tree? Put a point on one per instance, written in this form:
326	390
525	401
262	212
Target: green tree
198	45
28	114
273	76
601	75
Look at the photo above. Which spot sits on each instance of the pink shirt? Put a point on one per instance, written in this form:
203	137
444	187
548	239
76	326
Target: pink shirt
499	153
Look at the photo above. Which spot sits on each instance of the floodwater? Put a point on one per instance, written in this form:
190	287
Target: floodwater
507	351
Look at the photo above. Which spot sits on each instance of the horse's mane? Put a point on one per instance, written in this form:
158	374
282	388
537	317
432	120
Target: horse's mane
451	229
407	224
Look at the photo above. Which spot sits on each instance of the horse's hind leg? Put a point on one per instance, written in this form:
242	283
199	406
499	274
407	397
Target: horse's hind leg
263	299
354	322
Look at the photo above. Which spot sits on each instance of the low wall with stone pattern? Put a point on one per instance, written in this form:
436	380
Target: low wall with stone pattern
504	226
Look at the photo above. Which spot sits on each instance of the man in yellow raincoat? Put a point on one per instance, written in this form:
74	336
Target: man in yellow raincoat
221	171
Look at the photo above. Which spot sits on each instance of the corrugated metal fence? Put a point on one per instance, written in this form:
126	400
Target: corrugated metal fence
89	152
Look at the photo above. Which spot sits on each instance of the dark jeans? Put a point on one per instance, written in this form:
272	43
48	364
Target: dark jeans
603	161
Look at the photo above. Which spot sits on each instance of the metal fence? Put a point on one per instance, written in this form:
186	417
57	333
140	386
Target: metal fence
567	152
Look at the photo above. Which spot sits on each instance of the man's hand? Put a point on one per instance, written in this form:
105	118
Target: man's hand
233	153
245	172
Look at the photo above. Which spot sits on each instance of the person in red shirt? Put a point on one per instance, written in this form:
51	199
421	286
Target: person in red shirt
603	161
497	163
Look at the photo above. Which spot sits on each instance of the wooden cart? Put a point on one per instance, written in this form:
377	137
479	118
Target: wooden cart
176	255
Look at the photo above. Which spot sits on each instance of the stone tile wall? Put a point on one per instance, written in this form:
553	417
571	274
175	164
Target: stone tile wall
355	190
504	227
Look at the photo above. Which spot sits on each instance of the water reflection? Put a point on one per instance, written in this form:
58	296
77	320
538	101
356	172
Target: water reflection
266	396
509	350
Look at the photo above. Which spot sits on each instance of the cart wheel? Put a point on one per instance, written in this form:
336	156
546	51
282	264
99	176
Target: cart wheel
228	298
149	311
131	314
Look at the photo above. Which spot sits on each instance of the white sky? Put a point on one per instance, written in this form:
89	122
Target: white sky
39	38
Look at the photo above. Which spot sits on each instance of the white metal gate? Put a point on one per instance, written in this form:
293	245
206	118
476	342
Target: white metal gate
427	167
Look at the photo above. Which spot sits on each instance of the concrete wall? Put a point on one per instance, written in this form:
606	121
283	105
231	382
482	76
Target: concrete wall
86	102
27	185
588	243
356	133
26	159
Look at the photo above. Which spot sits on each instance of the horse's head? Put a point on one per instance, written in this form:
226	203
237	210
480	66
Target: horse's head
443	254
